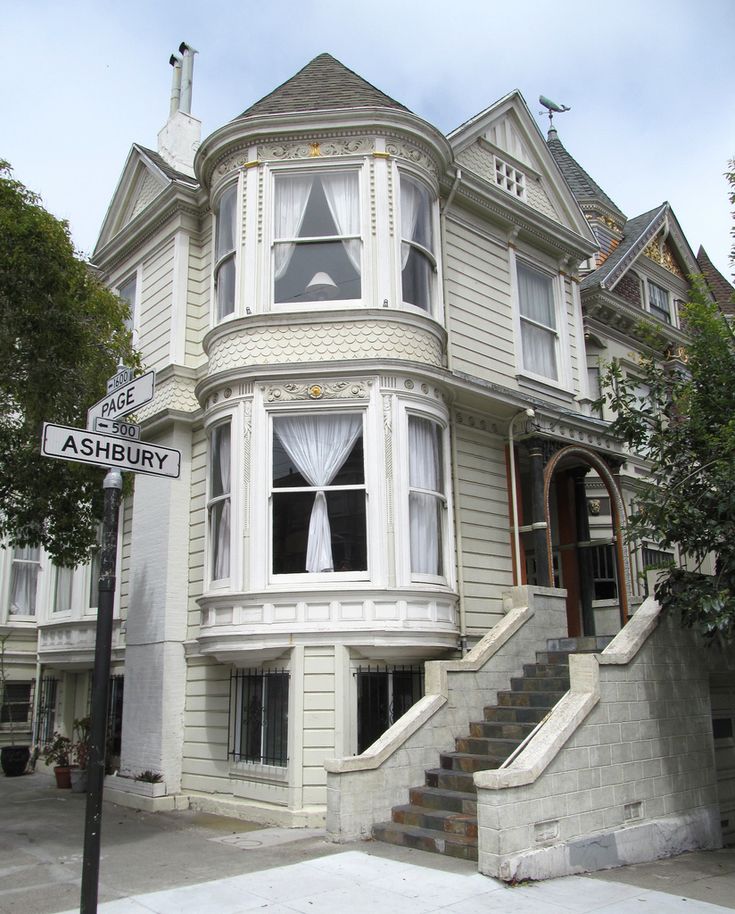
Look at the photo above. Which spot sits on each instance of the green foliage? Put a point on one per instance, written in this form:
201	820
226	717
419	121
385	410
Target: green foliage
61	336
678	413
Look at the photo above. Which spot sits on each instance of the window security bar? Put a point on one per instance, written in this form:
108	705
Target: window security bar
258	716
384	693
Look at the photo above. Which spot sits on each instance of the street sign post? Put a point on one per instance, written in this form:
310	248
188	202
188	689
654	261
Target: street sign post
82	446
123	400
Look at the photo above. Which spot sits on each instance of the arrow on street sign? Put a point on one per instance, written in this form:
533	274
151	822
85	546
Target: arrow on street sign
124	376
82	446
124	400
117	427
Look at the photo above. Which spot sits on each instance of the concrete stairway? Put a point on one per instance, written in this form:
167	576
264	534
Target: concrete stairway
441	816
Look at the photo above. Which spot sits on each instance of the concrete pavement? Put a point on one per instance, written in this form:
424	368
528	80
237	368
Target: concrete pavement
191	863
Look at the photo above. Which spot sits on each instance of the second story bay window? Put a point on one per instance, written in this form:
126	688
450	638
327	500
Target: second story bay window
224	266
318	494
418	263
426	498
317	237
538	320
218	502
24	580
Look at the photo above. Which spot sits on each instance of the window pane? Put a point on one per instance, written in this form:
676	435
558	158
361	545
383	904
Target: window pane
251	718
263	724
417	277
536	297
225	288
416	223
219	539
658	299
318	271
62	596
425	519
539	350
219	475
275	723
128	292
425	469
16	703
225	228
24	581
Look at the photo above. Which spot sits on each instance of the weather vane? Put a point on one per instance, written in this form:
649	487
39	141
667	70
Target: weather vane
551	109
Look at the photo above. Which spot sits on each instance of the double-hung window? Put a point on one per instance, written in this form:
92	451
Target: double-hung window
426	499
24	580
128	292
261	723
418	262
539	331
218	503
317	236
318	494
224	267
63	589
658	302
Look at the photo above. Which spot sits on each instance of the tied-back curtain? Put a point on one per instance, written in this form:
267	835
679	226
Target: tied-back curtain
221	470
425	472
25	581
536	298
292	197
342	191
410	206
318	446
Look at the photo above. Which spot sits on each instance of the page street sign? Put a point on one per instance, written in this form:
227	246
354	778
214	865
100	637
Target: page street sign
124	376
82	446
124	400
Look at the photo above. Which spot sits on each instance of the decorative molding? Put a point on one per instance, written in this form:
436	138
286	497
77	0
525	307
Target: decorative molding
412	153
476	421
661	254
334	390
567	432
174	393
247	433
316	148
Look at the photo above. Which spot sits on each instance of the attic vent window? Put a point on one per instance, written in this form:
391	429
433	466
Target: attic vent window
510	179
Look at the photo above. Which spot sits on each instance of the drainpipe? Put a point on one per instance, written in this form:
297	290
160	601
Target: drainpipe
175	85
187	75
529	414
443	251
36	704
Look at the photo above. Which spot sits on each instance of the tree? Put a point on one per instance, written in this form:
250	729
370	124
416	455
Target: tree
61	335
678	413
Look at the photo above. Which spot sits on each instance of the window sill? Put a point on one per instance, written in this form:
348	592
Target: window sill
253	771
544	386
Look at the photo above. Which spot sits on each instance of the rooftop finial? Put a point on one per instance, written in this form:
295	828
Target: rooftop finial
551	109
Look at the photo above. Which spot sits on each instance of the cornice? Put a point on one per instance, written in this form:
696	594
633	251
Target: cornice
611	312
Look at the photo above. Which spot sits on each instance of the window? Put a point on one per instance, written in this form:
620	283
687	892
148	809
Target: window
318	494
510	179
656	558
658	302
604	573
47	709
128	292
24	581
16	703
261	719
418	263
218	505
224	267
384	695
426	496
63	589
539	335
317	240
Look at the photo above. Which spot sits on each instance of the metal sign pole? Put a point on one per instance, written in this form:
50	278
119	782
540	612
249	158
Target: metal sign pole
100	685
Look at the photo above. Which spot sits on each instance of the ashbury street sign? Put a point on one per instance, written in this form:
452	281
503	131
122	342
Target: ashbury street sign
80	445
123	400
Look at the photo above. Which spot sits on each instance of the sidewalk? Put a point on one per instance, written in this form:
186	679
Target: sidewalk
191	863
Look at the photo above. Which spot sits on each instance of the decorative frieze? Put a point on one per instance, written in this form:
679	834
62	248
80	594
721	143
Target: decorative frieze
411	153
662	255
476	421
333	390
316	148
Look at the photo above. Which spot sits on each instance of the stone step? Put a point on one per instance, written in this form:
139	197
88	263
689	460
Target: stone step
529	699
427	839
486	745
539	683
521	715
501	729
580	645
447	779
468	761
443	820
550	670
450	800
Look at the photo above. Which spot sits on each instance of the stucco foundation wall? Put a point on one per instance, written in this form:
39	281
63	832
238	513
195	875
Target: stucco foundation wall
635	782
361	790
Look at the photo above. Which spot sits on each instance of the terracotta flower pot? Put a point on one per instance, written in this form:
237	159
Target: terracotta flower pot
62	773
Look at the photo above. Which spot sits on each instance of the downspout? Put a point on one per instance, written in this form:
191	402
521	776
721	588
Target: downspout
36	703
443	253
529	413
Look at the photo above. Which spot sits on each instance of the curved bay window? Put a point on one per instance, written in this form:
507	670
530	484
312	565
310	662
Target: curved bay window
418	263
224	267
317	238
426	498
218	502
318	494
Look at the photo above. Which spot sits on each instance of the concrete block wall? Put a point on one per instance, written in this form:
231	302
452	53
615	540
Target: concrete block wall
634	781
361	790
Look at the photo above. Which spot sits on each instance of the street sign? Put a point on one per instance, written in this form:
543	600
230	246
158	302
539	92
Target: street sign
124	376
82	446
124	400
118	428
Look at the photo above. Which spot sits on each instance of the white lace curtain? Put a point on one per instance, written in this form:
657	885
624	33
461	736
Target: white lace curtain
292	196
410	206
343	198
220	510
318	446
425	472
26	564
536	298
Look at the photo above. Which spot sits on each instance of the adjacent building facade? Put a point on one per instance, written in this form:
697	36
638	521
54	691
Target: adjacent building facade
378	349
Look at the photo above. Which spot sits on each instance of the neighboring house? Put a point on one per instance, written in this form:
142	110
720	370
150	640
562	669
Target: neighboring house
377	348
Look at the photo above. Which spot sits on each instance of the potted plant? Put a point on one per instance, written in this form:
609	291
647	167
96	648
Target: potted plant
13	758
80	752
58	754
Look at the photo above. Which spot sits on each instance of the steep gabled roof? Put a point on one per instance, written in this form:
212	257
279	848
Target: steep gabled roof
584	188
323	84
722	291
167	170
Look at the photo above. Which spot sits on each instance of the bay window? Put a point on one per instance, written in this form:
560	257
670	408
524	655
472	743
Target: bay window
63	589
224	267
218	502
418	263
426	497
317	237
539	331
24	580
318	494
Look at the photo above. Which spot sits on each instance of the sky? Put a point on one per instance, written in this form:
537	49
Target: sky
650	85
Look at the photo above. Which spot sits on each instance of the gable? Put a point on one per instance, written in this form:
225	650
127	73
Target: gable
145	188
504	145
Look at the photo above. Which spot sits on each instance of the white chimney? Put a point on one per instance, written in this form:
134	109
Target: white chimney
180	137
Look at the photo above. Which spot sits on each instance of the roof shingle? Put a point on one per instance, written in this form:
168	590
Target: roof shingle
584	188
720	288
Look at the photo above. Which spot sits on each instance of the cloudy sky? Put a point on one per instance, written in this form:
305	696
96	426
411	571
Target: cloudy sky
650	83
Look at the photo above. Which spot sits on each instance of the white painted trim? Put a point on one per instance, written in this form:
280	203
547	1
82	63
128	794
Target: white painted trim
179	298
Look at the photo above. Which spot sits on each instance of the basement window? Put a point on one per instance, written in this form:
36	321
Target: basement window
260	704
384	693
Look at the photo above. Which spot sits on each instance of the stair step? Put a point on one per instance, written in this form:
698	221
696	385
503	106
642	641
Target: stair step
550	670
500	729
447	779
443	820
469	761
521	715
450	800
427	839
580	645
539	683
492	746
529	699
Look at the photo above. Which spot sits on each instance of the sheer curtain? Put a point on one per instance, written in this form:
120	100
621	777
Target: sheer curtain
292	196
536	298
220	529
25	580
342	191
425	472
410	207
318	446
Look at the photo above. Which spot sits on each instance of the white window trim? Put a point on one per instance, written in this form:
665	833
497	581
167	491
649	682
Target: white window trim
436	305
563	357
137	275
366	279
259	770
235	254
229	583
647	282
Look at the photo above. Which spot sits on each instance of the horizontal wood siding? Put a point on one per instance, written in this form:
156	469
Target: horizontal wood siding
205	764
479	311
484	527
197	315
197	523
319	722
155	314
